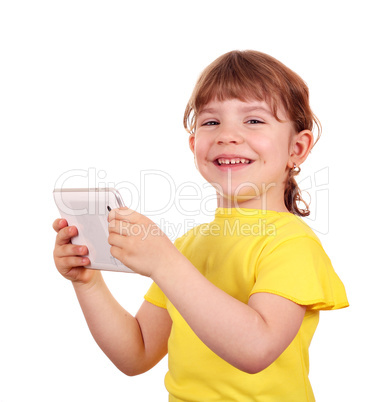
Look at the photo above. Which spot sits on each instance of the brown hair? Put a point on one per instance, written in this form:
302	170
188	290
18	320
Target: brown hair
248	75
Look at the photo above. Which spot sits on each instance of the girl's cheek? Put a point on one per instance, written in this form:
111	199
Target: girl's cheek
266	146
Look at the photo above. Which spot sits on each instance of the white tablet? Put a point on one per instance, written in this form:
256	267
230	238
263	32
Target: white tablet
88	209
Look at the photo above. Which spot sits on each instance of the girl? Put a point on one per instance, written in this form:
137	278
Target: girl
235	303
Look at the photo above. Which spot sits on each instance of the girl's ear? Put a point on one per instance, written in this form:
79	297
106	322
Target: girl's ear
191	142
301	145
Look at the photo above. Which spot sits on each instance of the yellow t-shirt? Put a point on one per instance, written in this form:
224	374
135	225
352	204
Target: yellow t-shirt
244	252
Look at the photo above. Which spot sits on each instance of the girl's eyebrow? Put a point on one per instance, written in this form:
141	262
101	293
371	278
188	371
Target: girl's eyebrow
207	110
245	109
249	109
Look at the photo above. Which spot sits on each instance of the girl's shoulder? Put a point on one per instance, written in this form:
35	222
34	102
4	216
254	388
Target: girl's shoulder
289	226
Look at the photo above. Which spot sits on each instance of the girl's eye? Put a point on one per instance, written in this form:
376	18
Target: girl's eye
254	121
210	123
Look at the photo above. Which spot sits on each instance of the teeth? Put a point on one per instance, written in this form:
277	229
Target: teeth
233	161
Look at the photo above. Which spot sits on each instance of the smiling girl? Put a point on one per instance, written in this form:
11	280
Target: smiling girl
243	142
234	309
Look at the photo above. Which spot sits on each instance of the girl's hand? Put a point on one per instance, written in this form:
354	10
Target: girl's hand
69	258
138	242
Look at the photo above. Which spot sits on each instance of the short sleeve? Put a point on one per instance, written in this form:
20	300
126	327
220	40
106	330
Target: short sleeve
155	296
299	270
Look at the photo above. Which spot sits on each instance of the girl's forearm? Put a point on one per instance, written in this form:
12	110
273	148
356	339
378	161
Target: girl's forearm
230	328
115	330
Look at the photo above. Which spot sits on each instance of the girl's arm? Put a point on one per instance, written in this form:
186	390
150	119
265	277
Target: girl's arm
133	344
248	336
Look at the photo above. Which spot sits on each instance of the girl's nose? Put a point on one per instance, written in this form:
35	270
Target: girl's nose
229	136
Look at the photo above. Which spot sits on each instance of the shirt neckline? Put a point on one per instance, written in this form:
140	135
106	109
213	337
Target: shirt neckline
221	212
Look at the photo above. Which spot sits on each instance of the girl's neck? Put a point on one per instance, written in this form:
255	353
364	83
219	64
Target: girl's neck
261	203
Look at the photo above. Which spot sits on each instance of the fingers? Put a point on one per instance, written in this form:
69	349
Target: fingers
117	253
71	250
117	240
119	227
59	224
125	222
119	220
121	223
125	214
65	234
73	262
70	259
68	256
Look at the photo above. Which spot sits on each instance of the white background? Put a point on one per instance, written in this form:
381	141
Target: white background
98	89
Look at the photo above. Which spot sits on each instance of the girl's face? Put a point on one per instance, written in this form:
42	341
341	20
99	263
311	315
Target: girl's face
244	152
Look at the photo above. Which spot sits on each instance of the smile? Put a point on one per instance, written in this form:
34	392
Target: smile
232	161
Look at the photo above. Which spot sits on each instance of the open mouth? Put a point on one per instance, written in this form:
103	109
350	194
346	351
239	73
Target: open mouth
232	161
